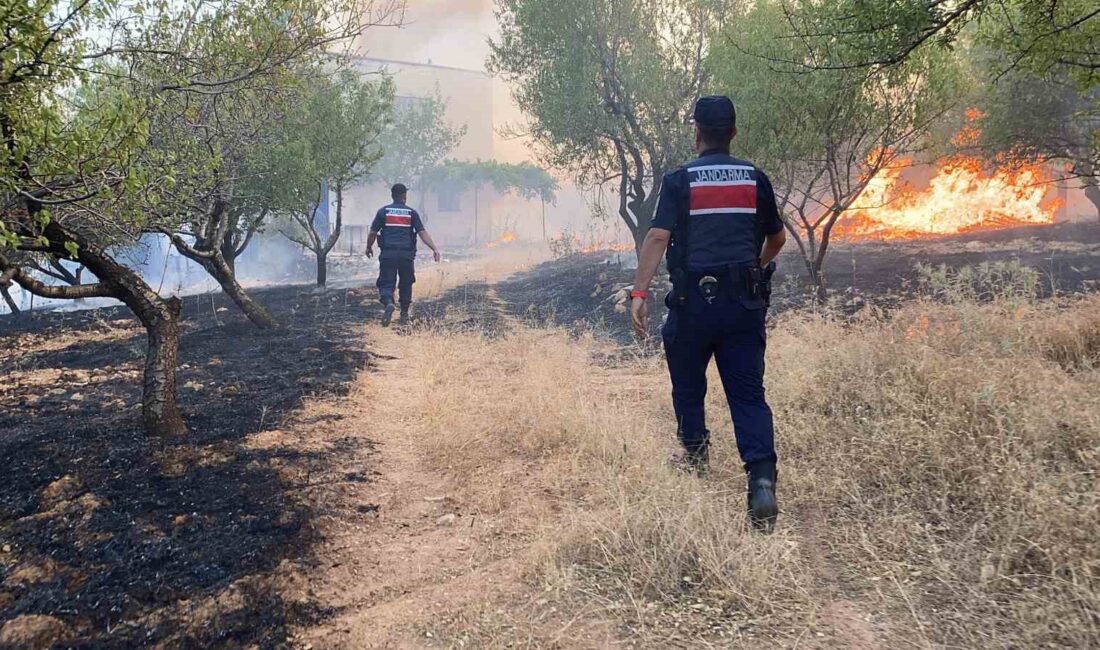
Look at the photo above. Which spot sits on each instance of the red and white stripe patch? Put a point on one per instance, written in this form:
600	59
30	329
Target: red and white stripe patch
722	189
399	219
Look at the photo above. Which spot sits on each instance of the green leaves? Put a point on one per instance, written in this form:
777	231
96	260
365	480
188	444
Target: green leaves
607	85
1032	35
65	139
525	180
329	135
416	138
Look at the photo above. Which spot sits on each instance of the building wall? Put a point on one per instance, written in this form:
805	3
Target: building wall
455	221
445	43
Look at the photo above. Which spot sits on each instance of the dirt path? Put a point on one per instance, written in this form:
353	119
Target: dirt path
415	554
410	550
403	552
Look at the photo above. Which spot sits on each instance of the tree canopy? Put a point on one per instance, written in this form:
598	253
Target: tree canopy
1034	35
330	141
525	180
417	138
607	87
822	135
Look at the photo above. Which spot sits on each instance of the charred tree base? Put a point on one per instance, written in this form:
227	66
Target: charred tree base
322	269
160	412
160	317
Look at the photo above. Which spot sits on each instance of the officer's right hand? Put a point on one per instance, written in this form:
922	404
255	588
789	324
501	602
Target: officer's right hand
639	316
370	252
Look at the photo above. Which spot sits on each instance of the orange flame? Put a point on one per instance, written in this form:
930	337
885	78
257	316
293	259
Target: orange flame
506	237
964	194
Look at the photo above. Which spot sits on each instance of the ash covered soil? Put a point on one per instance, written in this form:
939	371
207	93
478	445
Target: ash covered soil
586	292
127	540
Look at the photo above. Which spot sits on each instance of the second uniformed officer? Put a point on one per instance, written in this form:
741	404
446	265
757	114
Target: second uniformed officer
396	227
718	221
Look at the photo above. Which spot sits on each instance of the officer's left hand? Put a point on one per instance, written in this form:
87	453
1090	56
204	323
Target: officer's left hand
437	256
370	253
639	315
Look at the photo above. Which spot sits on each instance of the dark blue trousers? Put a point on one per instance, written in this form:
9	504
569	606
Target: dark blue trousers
731	330
396	273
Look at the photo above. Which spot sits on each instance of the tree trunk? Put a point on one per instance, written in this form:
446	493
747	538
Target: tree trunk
229	254
9	300
221	271
215	264
322	267
817	277
159	411
1092	193
160	317
642	211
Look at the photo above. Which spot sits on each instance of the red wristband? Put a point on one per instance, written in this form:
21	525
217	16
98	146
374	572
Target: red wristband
638	293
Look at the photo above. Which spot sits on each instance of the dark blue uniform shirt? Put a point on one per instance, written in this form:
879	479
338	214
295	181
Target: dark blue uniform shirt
731	207
397	226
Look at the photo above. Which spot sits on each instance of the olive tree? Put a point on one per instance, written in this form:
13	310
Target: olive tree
1029	117
76	110
330	141
822	134
607	87
416	140
212	138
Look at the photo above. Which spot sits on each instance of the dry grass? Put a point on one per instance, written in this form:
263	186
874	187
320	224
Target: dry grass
939	475
952	453
433	280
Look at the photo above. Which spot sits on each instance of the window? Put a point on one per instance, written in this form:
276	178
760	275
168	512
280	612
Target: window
450	200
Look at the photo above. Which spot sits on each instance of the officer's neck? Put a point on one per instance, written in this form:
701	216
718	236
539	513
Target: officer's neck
710	151
399	201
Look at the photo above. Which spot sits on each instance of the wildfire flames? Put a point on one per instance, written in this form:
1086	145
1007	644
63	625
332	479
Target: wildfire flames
506	237
963	194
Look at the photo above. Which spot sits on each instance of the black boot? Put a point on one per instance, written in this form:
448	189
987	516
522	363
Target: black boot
695	461
387	314
404	320
763	506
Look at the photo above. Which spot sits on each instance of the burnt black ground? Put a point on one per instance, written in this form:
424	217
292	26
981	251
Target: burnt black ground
575	291
153	526
162	523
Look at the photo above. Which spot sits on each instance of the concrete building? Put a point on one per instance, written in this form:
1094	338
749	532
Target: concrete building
455	218
441	48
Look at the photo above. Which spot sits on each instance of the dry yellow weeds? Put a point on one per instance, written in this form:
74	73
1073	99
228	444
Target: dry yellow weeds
938	478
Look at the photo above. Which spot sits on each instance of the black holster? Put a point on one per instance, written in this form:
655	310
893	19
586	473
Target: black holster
766	282
677	298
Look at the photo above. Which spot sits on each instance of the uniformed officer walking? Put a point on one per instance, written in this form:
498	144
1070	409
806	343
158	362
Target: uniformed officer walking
718	220
396	227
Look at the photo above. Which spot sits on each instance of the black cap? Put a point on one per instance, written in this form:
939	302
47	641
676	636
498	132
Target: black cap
398	190
715	111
